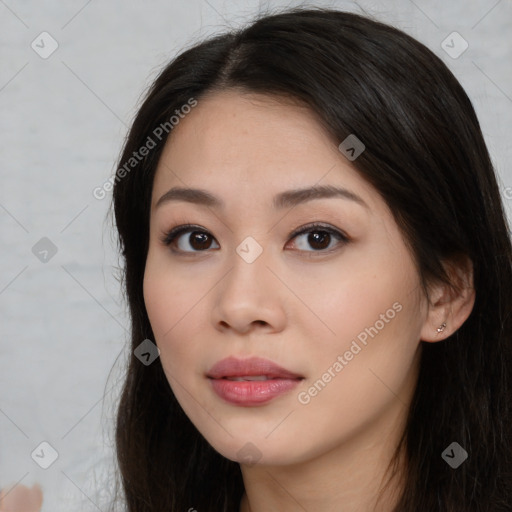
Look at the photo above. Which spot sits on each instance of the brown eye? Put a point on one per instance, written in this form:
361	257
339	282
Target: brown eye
199	240
315	238
196	241
319	238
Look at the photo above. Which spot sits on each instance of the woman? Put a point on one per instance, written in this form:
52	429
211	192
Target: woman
371	375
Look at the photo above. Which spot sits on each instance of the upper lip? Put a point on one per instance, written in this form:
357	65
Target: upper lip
254	366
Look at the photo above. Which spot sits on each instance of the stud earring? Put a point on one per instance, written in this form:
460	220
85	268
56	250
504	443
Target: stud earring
441	327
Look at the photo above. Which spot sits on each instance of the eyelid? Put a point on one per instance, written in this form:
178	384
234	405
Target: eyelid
320	226
168	237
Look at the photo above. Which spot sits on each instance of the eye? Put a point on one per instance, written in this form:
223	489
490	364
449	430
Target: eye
319	237
198	239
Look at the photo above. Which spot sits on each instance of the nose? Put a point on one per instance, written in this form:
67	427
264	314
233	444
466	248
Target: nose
250	297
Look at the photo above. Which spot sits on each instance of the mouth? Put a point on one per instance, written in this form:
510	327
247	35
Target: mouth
252	369
256	378
251	382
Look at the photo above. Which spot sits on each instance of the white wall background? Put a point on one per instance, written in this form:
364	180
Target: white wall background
62	120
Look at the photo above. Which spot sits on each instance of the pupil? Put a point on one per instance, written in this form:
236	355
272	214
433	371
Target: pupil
315	236
202	238
317	239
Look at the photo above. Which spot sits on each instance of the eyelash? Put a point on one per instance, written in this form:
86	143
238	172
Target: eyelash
170	236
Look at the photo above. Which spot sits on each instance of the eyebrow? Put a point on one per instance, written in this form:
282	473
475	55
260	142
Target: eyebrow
282	200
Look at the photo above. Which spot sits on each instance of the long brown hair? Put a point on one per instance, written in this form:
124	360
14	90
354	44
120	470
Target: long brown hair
426	156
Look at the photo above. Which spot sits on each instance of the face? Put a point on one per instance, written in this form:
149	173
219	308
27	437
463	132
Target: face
321	288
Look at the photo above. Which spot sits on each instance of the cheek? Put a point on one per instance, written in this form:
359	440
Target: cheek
167	296
359	371
358	297
158	299
172	307
373	316
173	304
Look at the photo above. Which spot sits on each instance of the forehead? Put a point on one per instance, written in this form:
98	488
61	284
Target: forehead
234	143
231	124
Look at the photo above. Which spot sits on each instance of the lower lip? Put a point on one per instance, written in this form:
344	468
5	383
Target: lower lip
255	392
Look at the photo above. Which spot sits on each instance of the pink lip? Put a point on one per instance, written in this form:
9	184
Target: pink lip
248	393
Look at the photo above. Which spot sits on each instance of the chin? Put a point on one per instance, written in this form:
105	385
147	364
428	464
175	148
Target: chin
258	451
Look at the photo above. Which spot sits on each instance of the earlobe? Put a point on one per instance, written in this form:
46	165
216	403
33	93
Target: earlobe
450	306
441	328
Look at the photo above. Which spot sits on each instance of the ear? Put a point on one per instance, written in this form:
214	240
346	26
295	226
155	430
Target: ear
450	307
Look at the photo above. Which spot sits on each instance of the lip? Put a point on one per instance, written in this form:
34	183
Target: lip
233	367
250	393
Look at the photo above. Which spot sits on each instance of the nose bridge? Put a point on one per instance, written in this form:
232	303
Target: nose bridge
249	250
248	294
249	268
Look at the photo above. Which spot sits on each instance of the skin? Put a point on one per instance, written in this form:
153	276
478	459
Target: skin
21	499
294	305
